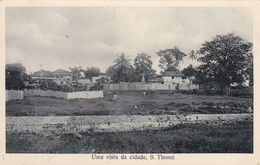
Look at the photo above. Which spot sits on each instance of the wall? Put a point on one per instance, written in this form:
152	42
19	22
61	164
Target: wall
13	95
139	86
169	79
47	93
152	86
85	95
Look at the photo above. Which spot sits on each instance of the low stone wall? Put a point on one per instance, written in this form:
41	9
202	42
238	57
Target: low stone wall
13	95
75	124
64	95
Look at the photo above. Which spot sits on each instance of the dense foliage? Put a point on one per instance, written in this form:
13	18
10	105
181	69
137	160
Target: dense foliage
14	76
226	60
143	67
170	58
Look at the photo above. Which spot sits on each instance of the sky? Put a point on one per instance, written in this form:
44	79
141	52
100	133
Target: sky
62	37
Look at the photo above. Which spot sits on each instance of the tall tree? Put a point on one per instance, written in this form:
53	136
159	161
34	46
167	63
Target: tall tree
111	71
189	71
123	69
226	59
91	72
76	72
14	74
143	66
170	58
192	55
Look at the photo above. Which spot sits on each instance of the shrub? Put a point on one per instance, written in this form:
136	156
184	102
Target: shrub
242	92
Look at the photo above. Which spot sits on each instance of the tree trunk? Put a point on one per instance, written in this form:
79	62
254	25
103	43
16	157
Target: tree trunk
143	79
227	90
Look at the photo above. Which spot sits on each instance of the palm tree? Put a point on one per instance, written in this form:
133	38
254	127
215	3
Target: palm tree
193	55
122	65
122	61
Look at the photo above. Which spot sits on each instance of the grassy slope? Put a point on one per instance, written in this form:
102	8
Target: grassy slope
154	103
188	138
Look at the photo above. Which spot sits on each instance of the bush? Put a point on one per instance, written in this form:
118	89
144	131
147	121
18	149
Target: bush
242	92
50	85
201	92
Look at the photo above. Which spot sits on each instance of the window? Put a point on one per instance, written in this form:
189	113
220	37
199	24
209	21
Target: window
172	77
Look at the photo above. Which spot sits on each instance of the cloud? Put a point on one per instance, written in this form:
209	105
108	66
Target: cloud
27	32
64	37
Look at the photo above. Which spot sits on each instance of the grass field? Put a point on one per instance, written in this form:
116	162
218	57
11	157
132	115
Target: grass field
234	137
129	103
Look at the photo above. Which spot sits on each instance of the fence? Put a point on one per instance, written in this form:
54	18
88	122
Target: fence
152	86
139	86
47	93
64	95
13	95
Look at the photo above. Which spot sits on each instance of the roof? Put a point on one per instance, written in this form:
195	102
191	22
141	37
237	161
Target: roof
84	81
156	79
61	72
42	73
173	73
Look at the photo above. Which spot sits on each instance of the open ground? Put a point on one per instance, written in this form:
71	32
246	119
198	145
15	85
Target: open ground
232	137
130	103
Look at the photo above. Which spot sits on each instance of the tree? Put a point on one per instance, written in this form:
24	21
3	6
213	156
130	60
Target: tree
170	58
143	66
249	69
123	69
14	74
111	71
225	60
192	55
189	71
91	72
76	72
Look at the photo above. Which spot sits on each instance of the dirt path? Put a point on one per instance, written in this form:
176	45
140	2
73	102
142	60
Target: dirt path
117	123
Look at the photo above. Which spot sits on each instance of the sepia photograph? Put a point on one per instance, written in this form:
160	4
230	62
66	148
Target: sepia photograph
129	79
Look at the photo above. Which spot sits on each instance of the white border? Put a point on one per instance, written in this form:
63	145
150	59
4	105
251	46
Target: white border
68	159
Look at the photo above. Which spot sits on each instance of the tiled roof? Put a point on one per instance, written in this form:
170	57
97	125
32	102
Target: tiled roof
43	73
61	72
173	73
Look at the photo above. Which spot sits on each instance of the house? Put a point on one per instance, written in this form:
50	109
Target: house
84	81
171	77
174	77
62	74
42	73
58	76
157	79
100	76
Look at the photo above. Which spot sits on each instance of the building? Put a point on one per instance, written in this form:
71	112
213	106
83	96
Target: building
171	77
174	77
62	74
58	76
100	76
84	81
